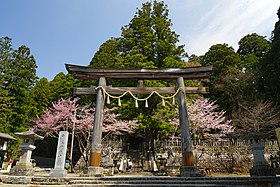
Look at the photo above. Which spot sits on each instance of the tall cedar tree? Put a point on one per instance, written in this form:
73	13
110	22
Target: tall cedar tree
5	108
234	78
45	92
226	63
270	71
252	49
41	94
18	76
146	42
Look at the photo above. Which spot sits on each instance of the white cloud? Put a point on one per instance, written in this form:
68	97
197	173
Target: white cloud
228	21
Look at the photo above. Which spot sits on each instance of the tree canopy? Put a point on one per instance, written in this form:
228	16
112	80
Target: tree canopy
252	49
270	70
146	42
18	76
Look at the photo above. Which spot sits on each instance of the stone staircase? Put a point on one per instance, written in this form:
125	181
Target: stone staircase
162	181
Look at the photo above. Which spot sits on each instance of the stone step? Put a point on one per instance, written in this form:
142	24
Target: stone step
138	181
147	185
160	183
157	181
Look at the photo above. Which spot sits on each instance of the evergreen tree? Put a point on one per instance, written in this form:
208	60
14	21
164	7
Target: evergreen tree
18	76
146	42
5	105
252	49
223	83
41	96
5	110
21	78
62	86
222	57
270	70
108	55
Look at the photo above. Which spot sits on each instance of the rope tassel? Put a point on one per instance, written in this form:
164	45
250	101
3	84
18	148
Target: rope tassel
146	104
163	102
136	103
173	100
119	102
108	99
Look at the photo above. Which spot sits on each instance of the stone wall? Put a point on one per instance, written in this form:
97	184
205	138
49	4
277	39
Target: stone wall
228	156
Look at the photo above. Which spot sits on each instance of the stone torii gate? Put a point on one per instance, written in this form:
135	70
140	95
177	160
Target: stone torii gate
179	74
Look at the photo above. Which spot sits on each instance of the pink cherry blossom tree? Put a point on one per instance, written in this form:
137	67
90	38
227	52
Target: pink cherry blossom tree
60	117
67	115
206	121
113	125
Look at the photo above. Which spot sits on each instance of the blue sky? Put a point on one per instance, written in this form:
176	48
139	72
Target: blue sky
71	31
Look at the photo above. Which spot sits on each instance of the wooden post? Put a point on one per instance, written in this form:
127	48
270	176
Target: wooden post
95	154
187	154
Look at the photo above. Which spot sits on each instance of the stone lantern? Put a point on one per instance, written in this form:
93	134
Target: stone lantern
24	167
260	165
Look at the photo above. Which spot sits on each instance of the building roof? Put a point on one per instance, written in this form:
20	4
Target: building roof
6	136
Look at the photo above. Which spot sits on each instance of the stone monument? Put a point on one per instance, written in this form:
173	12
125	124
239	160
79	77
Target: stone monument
24	167
59	166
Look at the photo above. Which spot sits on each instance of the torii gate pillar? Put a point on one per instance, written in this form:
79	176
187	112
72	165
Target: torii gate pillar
188	168
94	168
